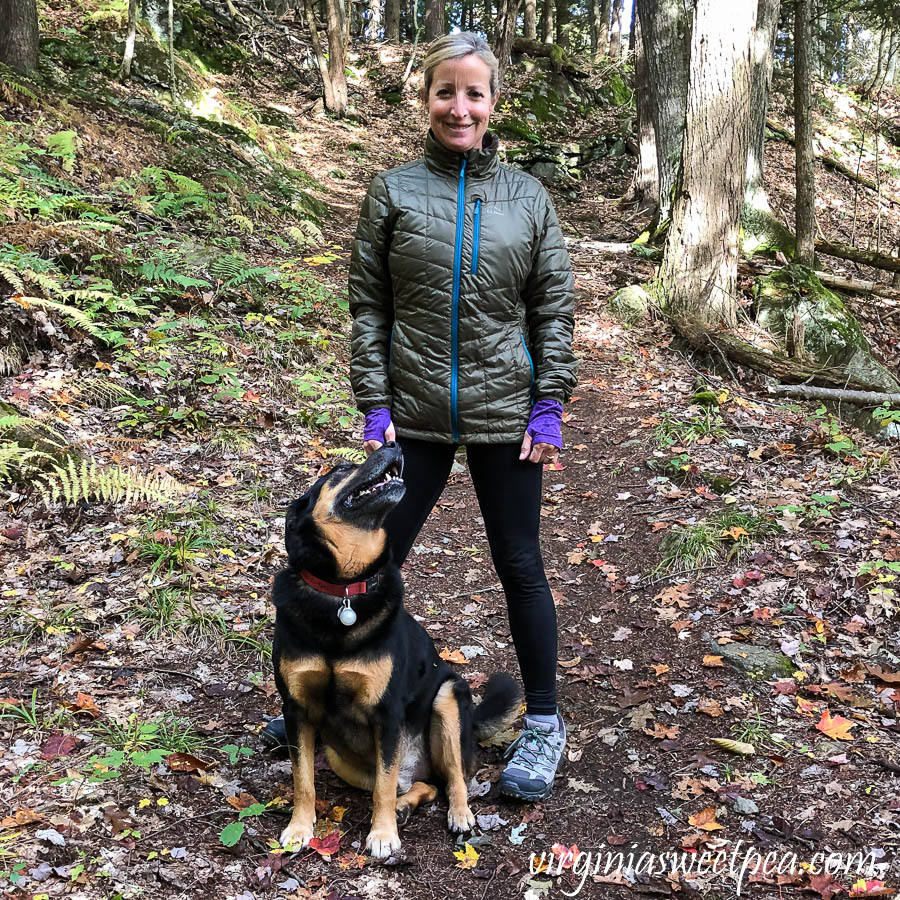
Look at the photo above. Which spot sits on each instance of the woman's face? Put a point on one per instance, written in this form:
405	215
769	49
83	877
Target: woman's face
460	102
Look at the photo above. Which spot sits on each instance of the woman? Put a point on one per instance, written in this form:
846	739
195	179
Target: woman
462	303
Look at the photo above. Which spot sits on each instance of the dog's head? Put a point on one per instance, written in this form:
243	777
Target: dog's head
335	529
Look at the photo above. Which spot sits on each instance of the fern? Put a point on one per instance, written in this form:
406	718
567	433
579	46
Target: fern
13	278
62	146
17	462
306	234
75	316
73	483
352	454
158	270
11	89
32	430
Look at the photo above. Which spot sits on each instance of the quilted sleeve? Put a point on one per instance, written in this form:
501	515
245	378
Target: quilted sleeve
371	301
550	307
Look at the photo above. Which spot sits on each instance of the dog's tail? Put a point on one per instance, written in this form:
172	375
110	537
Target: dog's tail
499	708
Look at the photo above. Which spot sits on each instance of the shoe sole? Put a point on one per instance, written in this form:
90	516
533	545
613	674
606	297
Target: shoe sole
517	792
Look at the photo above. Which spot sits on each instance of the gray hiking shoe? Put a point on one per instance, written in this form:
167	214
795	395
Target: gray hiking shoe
536	754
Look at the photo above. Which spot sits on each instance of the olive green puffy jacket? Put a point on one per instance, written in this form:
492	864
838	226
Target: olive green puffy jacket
462	298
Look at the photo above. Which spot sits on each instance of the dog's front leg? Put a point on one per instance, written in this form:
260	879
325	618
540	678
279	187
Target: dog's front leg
383	839
302	746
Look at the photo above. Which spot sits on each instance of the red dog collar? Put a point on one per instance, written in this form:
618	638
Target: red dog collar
334	589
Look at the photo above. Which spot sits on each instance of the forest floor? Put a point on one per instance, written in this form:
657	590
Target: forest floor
722	572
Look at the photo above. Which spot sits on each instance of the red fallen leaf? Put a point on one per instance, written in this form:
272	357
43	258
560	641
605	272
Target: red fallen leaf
59	744
186	762
326	846
84	703
785	687
250	397
836	727
616	840
565	856
863	888
825	885
883	674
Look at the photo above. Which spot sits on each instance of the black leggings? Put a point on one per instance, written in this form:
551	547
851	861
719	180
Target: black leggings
509	495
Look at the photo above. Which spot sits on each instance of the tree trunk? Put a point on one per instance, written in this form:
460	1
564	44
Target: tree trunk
805	219
757	217
412	20
646	179
563	23
391	21
666	31
373	26
434	19
698	274
489	20
321	60
336	63
615	31
599	29
530	25
128	55
506	32
548	30
173	87
19	34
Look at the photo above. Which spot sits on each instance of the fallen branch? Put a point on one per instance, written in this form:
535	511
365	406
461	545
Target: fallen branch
857	398
559	59
864	257
853	285
836	165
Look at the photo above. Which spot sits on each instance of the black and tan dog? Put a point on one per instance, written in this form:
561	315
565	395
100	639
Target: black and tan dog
355	668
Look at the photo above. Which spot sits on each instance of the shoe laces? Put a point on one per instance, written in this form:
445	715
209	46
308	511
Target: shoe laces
532	746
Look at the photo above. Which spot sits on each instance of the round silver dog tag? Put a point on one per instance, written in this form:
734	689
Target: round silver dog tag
346	613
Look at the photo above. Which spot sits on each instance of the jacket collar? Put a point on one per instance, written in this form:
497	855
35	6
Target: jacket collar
480	161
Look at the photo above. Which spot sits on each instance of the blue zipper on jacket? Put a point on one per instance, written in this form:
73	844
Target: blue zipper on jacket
530	362
477	235
454	307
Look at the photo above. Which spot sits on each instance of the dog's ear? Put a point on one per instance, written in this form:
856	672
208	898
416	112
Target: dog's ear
297	512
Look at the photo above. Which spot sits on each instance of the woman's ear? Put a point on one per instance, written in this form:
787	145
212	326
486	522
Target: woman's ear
494	100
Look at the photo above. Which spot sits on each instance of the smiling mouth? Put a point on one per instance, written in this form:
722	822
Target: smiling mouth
392	476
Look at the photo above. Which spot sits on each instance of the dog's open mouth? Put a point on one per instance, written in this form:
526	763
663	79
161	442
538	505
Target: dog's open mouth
391	478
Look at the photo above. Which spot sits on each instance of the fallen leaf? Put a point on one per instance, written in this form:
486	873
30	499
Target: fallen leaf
453	656
836	727
705	819
468	857
732	746
712	662
710	706
326	846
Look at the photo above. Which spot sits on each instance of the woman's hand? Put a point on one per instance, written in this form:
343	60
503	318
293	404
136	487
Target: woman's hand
389	435
538	452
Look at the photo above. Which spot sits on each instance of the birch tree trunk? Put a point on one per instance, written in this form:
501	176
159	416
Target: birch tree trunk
373	26
698	274
128	55
599	28
529	29
615	31
391	21
666	30
646	179
173	87
805	219
19	34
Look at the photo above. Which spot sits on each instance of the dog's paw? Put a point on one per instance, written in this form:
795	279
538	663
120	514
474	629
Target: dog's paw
381	843
460	818
297	835
404	811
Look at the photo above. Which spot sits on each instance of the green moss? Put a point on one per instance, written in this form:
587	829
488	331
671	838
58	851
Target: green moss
516	129
831	333
762	233
630	304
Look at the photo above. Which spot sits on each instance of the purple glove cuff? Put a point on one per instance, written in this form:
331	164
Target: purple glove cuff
545	424
377	422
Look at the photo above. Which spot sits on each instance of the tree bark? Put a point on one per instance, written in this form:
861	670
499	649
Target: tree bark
805	219
548	30
615	31
599	29
391	21
865	257
321	60
373	26
857	398
173	87
763	50
666	31
412	19
563	23
128	55
529	28
698	274
646	179
434	19
506	32
336	64
19	34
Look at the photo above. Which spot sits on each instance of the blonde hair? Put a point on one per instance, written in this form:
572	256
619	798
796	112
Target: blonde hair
455	46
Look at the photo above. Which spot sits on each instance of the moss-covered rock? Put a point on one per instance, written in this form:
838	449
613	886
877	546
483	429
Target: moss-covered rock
763	234
516	130
831	334
630	304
